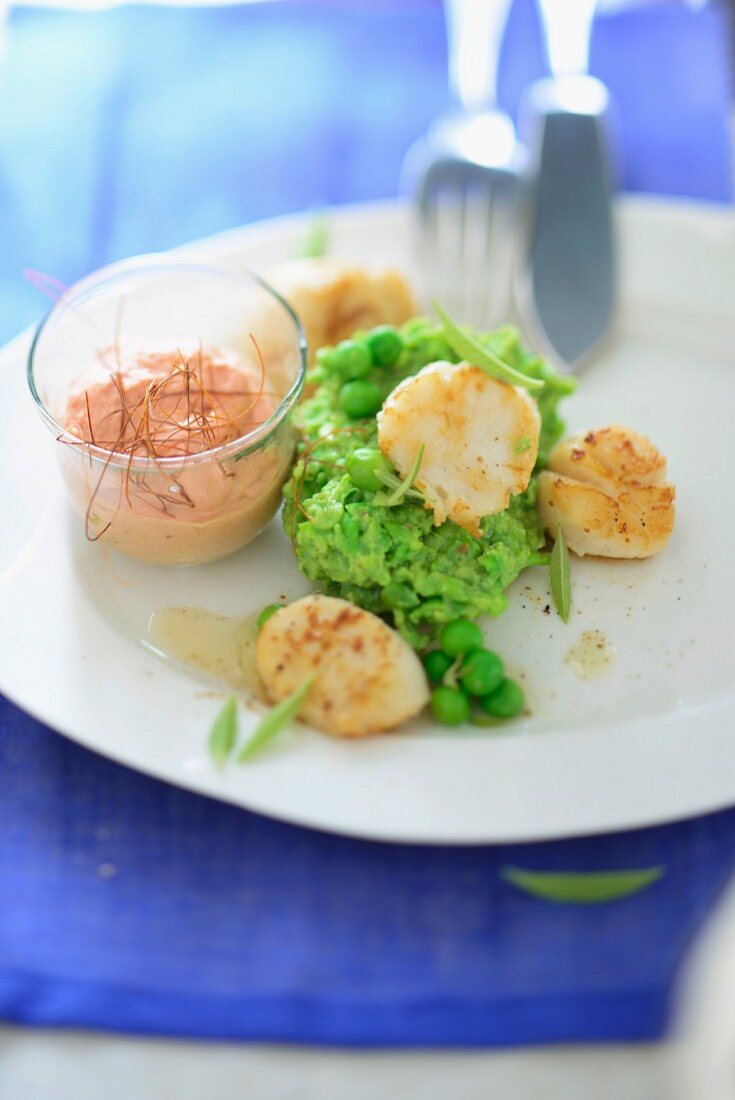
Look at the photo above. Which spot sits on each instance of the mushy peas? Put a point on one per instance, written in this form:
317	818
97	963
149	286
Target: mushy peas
156	487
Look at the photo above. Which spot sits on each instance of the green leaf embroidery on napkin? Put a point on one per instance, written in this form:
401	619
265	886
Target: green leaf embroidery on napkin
582	888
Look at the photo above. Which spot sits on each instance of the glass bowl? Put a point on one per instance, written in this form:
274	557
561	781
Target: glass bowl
171	508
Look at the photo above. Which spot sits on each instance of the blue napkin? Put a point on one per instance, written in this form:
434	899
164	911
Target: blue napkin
129	904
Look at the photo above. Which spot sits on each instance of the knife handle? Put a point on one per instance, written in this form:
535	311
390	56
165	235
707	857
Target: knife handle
570	271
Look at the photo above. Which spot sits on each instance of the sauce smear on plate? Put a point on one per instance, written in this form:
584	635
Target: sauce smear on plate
592	656
219	645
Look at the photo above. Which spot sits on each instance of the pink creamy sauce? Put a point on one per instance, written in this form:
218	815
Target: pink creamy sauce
172	407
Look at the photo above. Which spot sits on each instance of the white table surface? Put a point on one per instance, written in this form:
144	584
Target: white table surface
43	1065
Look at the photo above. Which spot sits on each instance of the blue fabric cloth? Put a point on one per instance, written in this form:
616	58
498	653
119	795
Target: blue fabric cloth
125	903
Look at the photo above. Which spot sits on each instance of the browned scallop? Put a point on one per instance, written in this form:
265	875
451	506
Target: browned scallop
606	488
334	298
367	678
609	457
480	439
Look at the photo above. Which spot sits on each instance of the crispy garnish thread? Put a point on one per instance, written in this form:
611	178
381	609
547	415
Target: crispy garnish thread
155	428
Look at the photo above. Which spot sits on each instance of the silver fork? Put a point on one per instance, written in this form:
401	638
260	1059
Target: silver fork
468	177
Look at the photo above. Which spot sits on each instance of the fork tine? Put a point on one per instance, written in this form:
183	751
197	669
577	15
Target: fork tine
427	248
477	244
499	248
461	228
442	231
467	229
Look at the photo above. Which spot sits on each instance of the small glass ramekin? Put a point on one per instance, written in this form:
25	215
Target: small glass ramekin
171	510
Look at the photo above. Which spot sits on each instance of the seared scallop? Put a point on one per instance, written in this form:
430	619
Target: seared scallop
480	440
607	489
367	678
611	457
334	298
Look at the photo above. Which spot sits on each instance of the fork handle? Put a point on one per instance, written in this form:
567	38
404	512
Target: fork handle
567	29
474	34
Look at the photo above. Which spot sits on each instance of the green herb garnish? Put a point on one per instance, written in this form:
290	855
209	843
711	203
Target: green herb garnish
521	445
585	888
392	481
275	720
267	613
561	577
451	676
223	734
316	241
400	489
469	348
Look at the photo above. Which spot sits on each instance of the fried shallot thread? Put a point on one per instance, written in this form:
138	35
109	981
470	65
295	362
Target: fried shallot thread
155	426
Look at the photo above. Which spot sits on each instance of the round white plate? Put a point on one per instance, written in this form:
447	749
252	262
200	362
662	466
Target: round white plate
652	741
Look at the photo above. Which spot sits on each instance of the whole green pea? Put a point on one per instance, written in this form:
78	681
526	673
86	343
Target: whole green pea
360	398
460	637
385	345
328	360
436	664
362	464
481	672
450	706
506	701
352	359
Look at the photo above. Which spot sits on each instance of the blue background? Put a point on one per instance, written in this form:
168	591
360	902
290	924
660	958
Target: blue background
127	903
141	128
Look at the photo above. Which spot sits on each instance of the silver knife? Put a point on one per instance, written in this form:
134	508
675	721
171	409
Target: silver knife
567	290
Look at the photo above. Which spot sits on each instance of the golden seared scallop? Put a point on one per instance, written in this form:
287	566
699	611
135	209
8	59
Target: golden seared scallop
334	298
367	678
480	440
611	457
607	489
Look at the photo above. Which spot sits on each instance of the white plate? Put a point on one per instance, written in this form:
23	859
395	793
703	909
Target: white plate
652	741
